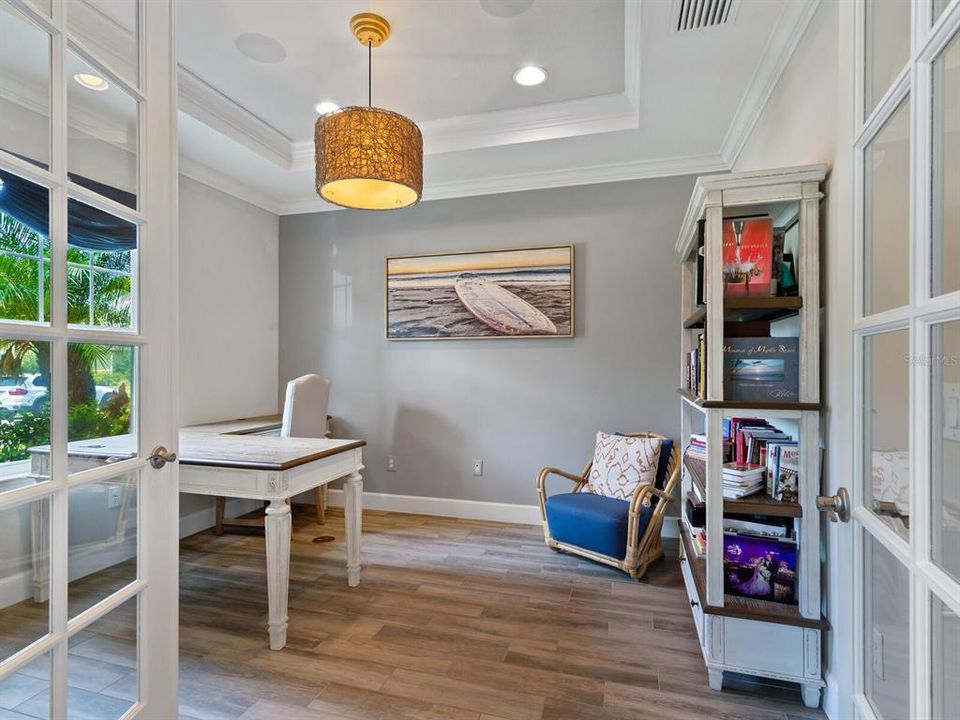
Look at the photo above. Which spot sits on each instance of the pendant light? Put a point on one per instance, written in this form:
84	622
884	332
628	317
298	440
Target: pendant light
369	158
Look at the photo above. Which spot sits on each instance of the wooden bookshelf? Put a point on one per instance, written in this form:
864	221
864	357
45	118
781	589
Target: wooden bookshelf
741	607
757	504
758	407
697	319
769	308
748	309
724	622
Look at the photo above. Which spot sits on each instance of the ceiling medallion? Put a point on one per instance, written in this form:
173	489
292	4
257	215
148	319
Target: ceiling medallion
369	158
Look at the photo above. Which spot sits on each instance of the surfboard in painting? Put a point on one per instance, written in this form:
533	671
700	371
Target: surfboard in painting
526	292
501	309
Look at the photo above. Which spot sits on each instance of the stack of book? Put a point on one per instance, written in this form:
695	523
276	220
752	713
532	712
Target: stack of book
749	437
757	456
742	480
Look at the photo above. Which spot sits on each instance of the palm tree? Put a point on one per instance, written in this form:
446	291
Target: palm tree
20	300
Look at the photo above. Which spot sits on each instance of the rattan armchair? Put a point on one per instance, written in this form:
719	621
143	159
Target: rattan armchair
642	515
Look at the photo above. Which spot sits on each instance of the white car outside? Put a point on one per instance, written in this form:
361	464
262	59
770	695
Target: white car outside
17	393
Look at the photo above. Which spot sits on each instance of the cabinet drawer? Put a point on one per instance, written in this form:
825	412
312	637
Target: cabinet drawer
695	606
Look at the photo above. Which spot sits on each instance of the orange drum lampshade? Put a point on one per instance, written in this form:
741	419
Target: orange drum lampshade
368	159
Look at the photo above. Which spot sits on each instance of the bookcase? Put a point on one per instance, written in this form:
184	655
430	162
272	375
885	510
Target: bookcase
750	391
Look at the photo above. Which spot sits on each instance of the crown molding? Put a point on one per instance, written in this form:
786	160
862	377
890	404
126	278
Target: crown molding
777	52
225	184
586	175
204	102
585	116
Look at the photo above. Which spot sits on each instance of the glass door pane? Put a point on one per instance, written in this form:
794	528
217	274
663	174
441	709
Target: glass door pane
25	694
945	270
103	540
24	250
101	268
24	413
25	90
102	140
887	47
102	666
110	30
945	645
886	215
886	632
886	428
945	446
25	575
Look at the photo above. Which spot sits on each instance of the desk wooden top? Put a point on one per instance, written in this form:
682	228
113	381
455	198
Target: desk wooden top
242	426
257	452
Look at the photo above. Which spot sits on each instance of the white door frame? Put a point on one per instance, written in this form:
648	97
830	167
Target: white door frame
155	336
913	85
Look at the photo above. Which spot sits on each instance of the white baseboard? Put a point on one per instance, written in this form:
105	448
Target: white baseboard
444	507
452	507
16	588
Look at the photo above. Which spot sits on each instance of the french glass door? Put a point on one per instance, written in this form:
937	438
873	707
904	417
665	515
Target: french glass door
907	359
88	525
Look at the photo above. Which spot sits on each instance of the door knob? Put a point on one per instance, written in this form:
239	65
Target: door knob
837	505
160	456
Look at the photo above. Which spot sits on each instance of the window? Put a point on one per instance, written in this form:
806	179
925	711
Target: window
99	283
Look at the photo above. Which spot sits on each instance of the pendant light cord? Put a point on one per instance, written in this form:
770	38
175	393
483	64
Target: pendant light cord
369	74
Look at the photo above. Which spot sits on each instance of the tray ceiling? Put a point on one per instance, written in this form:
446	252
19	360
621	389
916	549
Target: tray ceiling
628	95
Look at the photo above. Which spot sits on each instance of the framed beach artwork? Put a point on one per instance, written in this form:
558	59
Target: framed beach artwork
524	292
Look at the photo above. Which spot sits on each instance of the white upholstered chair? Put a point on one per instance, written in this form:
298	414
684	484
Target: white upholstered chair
305	416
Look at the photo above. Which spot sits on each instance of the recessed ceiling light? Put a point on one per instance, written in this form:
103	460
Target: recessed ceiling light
530	75
325	107
92	82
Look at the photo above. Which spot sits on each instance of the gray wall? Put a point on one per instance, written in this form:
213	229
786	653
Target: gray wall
516	404
228	317
228	306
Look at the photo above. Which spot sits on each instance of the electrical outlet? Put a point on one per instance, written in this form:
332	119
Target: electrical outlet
391	463
478	467
114	497
877	653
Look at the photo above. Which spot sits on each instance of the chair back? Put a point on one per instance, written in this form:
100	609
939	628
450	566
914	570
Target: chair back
305	407
669	460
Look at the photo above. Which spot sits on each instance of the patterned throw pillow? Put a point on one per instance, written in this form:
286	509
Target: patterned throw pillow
621	464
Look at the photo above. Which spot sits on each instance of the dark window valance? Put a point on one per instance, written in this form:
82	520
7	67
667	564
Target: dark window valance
87	227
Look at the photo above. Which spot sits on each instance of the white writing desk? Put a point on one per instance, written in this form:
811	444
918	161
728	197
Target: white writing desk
238	459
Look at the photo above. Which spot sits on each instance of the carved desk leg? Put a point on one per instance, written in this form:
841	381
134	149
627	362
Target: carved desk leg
278	570
353	520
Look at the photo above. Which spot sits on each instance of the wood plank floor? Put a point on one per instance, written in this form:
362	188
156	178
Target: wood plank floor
454	619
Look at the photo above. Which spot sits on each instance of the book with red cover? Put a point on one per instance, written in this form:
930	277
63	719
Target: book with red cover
738	426
747	255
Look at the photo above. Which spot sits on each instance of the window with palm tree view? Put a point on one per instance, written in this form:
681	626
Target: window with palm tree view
101	274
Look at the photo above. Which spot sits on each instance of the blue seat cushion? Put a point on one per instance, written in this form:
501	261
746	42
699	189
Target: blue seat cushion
593	522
